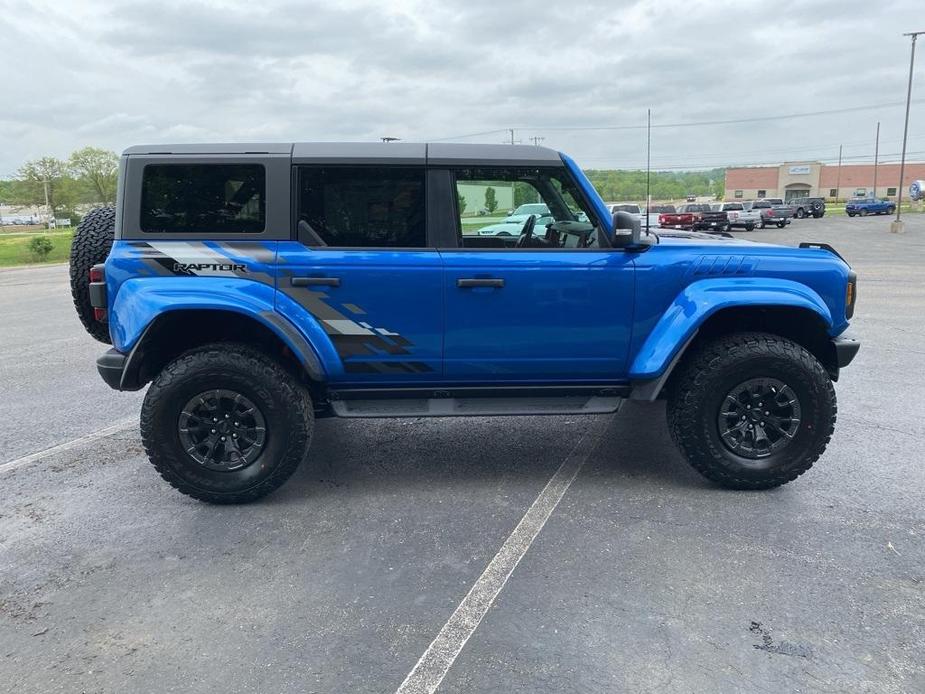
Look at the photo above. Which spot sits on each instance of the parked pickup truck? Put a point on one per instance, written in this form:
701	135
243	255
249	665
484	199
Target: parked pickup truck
307	280
865	206
694	217
737	216
776	214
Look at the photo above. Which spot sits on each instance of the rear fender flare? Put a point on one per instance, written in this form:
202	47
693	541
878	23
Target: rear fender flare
140	301
678	325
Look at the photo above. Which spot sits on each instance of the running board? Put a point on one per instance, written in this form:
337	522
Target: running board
476	402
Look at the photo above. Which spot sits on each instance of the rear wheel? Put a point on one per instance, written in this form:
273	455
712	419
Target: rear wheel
225	423
781	225
752	410
91	245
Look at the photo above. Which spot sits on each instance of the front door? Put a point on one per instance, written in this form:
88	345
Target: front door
551	306
361	270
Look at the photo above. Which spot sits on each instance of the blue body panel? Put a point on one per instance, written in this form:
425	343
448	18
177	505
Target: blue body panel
398	316
560	315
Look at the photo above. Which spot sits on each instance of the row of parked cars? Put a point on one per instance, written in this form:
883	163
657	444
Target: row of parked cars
725	216
712	217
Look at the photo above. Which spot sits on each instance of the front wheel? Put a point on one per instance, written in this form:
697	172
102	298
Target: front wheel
225	423
751	410
800	213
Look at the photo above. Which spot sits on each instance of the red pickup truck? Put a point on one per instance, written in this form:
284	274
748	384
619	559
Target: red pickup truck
694	217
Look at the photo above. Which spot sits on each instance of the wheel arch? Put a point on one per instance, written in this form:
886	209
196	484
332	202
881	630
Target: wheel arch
173	332
719	307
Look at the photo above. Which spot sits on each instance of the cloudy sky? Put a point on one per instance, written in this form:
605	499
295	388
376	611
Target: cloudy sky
112	74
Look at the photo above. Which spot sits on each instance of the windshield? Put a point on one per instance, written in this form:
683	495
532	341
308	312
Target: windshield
634	209
531	209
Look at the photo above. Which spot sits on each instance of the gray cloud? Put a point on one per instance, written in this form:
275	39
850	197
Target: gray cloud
116	74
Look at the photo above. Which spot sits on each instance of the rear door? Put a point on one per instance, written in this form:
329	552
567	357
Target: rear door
553	309
360	268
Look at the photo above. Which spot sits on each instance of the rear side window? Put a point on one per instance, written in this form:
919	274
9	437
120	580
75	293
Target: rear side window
357	207
203	198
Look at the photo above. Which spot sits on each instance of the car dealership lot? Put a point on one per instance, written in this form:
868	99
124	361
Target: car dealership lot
644	577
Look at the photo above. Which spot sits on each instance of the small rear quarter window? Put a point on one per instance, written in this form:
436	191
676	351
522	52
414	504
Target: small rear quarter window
203	198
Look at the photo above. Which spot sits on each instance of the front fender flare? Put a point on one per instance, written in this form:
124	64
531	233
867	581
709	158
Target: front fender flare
700	300
141	300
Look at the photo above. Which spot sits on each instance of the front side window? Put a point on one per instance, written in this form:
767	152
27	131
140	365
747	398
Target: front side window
203	198
496	206
361	206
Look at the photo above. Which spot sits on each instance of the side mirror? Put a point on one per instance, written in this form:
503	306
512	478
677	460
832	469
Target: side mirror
626	229
510	212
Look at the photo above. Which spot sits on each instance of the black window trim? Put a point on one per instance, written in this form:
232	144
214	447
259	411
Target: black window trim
294	206
276	220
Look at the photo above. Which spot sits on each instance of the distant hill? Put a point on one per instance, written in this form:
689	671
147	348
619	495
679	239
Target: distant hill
615	185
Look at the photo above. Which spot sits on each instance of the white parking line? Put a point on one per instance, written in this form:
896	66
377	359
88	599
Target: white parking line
121	425
439	657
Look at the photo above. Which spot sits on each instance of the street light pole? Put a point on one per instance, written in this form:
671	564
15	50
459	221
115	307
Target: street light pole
897	226
876	156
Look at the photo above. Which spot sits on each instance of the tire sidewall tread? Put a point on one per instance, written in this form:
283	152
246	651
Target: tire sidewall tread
714	369
283	401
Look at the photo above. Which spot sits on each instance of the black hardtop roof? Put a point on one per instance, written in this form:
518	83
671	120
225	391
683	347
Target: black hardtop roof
370	152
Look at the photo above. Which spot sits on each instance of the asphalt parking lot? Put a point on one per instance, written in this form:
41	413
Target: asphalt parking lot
644	577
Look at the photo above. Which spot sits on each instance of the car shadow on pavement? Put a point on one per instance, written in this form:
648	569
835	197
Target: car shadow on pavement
348	457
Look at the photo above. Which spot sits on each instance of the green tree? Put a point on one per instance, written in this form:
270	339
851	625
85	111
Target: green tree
98	170
43	176
524	193
491	201
461	202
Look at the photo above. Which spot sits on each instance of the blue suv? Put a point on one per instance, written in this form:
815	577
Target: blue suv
255	288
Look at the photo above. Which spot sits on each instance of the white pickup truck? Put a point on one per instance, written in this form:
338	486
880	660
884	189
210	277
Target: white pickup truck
738	216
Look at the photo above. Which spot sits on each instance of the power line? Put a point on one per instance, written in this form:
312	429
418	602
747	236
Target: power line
686	124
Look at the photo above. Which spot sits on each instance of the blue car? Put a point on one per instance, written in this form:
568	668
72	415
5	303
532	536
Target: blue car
254	288
865	206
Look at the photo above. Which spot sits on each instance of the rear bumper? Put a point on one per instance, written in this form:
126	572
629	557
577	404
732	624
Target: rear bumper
846	348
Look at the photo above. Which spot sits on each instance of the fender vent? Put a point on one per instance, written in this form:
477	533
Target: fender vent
712	265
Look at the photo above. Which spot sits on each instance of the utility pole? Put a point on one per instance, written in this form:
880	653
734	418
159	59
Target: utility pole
537	140
876	156
897	226
512	135
838	176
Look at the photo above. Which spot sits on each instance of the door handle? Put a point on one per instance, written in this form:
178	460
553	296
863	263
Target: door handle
315	281
480	282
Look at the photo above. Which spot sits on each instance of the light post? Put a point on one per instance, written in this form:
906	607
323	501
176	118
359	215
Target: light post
897	226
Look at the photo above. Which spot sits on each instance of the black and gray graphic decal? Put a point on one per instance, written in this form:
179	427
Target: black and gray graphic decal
353	337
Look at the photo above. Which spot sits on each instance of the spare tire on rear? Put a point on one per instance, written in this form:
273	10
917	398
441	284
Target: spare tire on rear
90	246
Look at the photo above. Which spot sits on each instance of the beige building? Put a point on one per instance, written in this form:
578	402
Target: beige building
814	179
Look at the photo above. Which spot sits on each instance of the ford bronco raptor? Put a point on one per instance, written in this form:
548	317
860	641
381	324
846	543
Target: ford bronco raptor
256	287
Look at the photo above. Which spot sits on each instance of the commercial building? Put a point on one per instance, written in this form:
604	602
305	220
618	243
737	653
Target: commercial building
812	178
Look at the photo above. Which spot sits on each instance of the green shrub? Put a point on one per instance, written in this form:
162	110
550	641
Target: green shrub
40	247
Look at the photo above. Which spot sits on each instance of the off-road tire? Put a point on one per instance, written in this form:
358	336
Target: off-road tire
283	402
715	369
817	208
90	246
